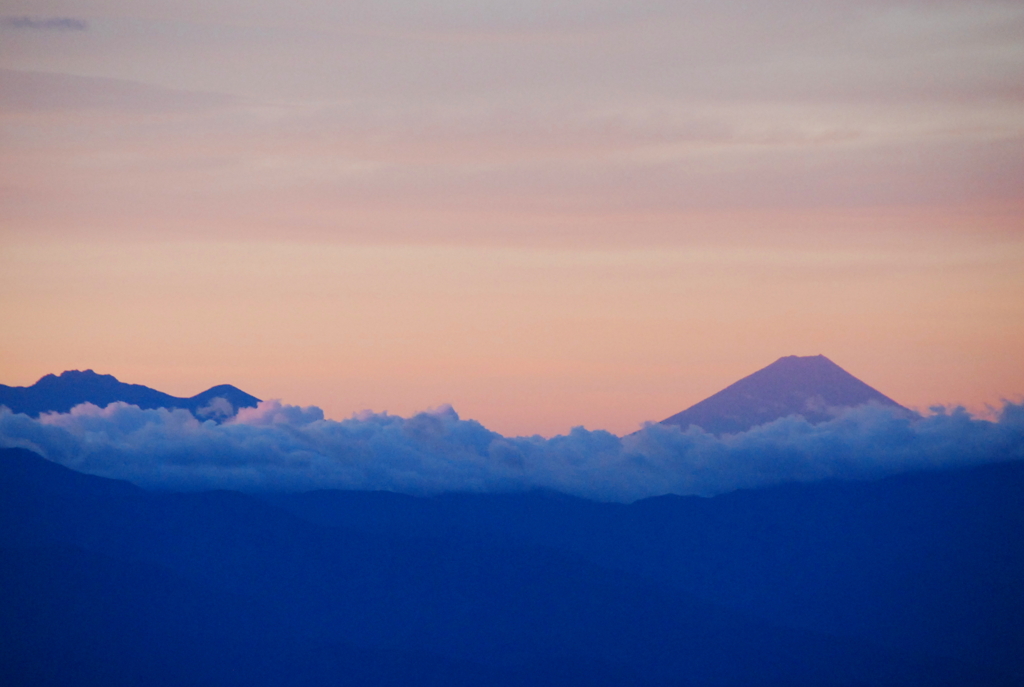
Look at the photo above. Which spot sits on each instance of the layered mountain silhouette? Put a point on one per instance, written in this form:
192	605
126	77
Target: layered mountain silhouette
60	394
909	580
813	387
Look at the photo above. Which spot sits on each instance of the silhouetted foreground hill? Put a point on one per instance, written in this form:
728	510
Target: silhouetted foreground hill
105	583
61	394
811	386
925	562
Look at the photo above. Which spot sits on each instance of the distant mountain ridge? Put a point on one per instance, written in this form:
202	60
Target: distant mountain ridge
911	580
811	386
54	393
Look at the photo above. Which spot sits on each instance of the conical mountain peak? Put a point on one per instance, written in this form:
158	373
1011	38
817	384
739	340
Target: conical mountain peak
811	386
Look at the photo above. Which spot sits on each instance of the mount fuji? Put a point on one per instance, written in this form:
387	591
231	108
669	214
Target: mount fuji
812	386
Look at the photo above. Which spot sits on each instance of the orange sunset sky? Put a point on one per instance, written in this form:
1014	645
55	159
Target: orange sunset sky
546	214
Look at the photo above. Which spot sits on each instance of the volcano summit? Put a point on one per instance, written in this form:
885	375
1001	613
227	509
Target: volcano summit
811	386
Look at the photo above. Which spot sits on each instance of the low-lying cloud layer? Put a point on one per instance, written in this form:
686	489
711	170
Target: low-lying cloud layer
283	447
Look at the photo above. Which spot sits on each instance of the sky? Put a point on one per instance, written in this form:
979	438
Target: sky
544	214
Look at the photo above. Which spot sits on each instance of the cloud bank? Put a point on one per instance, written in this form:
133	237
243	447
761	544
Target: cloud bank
282	447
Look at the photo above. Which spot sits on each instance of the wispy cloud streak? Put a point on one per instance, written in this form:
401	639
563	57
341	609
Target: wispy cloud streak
282	447
44	23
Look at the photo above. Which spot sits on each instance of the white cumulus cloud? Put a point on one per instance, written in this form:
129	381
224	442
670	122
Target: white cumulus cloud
282	447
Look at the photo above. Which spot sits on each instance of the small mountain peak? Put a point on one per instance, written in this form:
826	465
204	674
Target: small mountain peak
220	388
77	378
804	360
83	374
53	393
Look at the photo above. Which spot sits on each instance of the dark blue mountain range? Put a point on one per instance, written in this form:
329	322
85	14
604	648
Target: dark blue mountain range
62	393
924	563
909	580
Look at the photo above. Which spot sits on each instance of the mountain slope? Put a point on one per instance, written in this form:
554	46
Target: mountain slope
61	393
812	386
500	613
926	562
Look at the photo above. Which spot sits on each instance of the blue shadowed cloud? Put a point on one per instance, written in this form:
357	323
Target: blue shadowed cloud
283	447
